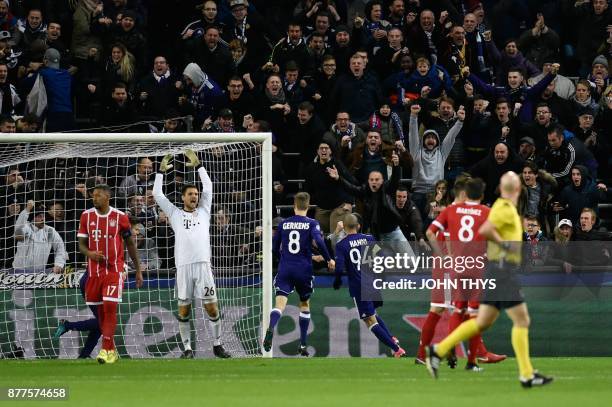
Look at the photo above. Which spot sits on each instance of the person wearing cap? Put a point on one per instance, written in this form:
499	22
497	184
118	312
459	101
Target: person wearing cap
35	240
223	124
342	49
527	149
599	75
387	122
58	86
559	254
252	29
126	32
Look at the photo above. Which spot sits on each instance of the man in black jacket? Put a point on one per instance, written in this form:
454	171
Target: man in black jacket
500	160
380	214
307	133
562	154
157	92
595	253
209	53
411	216
332	202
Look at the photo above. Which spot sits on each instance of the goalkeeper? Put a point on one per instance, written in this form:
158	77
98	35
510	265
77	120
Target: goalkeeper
194	278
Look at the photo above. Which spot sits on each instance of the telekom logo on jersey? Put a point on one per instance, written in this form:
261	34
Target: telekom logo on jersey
96	234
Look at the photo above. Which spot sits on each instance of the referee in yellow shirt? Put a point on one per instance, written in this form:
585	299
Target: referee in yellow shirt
503	230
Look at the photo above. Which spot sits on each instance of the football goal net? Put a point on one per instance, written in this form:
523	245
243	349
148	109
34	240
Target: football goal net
47	181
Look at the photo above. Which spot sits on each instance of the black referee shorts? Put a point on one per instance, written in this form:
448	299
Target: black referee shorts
507	293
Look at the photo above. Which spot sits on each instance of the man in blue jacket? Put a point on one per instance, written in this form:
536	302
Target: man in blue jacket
58	85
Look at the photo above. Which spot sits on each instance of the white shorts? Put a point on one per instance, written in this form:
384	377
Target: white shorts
195	281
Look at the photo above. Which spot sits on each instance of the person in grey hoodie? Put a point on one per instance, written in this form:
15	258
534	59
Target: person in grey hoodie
429	155
202	97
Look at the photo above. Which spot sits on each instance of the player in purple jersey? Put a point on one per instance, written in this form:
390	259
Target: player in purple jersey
293	245
349	252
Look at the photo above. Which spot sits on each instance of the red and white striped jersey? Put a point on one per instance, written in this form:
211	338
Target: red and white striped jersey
105	234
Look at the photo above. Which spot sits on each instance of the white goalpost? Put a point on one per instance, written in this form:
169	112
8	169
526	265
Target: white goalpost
45	181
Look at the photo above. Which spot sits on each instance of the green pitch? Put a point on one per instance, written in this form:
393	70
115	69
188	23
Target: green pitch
309	382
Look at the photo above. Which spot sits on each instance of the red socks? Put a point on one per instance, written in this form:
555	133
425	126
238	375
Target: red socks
427	333
108	324
455	320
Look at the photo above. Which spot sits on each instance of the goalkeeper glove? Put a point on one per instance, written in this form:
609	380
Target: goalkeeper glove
337	282
194	161
165	163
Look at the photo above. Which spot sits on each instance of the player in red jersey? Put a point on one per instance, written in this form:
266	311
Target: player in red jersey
439	301
461	222
102	231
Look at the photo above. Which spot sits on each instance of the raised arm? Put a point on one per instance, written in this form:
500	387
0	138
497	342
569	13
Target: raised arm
414	142
22	231
449	140
207	190
480	86
354	190
158	193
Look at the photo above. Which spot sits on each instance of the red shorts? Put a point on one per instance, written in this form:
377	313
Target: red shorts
106	287
440	296
467	295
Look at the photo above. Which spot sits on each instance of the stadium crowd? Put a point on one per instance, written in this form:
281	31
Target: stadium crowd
374	106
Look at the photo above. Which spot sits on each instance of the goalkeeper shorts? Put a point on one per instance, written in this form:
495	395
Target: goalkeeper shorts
195	281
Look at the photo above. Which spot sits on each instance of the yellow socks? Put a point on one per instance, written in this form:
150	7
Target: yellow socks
463	332
520	344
